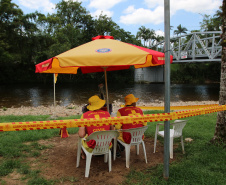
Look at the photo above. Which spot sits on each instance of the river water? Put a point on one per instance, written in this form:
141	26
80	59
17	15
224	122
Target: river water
39	94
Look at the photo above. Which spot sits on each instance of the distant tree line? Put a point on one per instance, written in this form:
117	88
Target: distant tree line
28	39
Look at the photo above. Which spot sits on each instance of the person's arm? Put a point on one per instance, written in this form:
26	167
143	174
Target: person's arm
82	132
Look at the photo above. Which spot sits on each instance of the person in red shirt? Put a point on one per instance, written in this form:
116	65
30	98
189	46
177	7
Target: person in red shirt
129	109
95	111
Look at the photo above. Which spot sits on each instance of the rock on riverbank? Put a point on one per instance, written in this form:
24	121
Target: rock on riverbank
63	111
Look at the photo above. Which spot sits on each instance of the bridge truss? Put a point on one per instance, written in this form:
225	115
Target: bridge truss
195	47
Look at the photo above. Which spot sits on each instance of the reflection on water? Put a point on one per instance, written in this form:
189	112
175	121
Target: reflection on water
36	95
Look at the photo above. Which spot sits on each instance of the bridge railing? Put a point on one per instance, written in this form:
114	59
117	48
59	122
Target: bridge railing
195	47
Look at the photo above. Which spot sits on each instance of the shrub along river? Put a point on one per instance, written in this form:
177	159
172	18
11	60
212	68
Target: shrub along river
40	94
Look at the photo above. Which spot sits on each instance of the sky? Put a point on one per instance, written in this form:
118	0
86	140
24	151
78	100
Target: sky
132	14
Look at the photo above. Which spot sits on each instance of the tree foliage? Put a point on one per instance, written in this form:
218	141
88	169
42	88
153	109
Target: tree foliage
28	39
180	30
147	35
212	23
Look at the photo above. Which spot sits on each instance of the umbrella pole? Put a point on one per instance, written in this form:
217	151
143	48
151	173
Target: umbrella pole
54	95
106	85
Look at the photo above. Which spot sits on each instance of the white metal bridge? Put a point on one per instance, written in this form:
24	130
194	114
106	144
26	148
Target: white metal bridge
194	47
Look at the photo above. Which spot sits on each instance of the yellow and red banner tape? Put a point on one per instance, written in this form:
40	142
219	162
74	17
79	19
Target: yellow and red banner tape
175	107
53	124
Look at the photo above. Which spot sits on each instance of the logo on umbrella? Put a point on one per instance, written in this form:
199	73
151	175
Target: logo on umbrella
103	50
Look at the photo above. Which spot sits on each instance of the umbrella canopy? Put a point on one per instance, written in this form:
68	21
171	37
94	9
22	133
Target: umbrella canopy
105	52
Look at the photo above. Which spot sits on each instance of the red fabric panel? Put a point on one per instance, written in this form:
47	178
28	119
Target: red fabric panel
43	66
102	37
157	57
100	69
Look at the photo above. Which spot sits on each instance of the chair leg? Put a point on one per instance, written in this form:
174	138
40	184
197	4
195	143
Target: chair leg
156	131
171	147
127	150
182	144
88	163
105	158
145	156
137	147
115	147
109	160
79	151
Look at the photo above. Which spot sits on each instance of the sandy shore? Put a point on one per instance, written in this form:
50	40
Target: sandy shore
63	111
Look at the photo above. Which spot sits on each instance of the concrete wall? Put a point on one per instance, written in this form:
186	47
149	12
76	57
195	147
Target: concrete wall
149	74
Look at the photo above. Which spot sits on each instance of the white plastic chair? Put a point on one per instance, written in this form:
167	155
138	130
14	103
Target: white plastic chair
178	126
103	140
136	139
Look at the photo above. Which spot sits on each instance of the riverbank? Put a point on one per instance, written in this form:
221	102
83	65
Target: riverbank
72	109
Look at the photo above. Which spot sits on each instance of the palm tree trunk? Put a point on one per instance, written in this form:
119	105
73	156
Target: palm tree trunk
220	130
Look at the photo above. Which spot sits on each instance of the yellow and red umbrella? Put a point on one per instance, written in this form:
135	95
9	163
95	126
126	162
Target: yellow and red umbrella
104	53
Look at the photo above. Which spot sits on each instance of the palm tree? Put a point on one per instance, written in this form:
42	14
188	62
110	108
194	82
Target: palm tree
145	34
220	129
180	29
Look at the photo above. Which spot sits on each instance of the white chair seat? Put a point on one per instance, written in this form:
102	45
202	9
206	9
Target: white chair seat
178	126
136	139
161	133
103	139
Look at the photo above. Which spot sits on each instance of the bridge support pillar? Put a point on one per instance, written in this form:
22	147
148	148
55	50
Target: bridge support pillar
149	74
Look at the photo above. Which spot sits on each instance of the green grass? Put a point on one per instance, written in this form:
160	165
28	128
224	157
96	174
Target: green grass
203	163
16	146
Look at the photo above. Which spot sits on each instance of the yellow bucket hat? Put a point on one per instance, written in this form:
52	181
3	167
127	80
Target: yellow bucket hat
129	99
95	103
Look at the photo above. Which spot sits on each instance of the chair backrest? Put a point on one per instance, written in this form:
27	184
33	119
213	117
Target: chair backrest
136	133
103	140
178	126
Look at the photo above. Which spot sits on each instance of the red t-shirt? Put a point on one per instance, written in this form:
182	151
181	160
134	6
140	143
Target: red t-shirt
91	129
127	111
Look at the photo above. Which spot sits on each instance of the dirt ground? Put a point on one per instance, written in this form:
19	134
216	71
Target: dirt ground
59	163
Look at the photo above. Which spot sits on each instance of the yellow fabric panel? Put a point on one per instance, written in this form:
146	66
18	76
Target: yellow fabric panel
147	64
57	69
86	55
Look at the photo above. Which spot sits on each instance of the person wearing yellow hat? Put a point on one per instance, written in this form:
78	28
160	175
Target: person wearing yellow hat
129	109
95	111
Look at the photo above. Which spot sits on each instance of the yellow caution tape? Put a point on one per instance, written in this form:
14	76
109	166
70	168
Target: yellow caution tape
175	107
53	124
